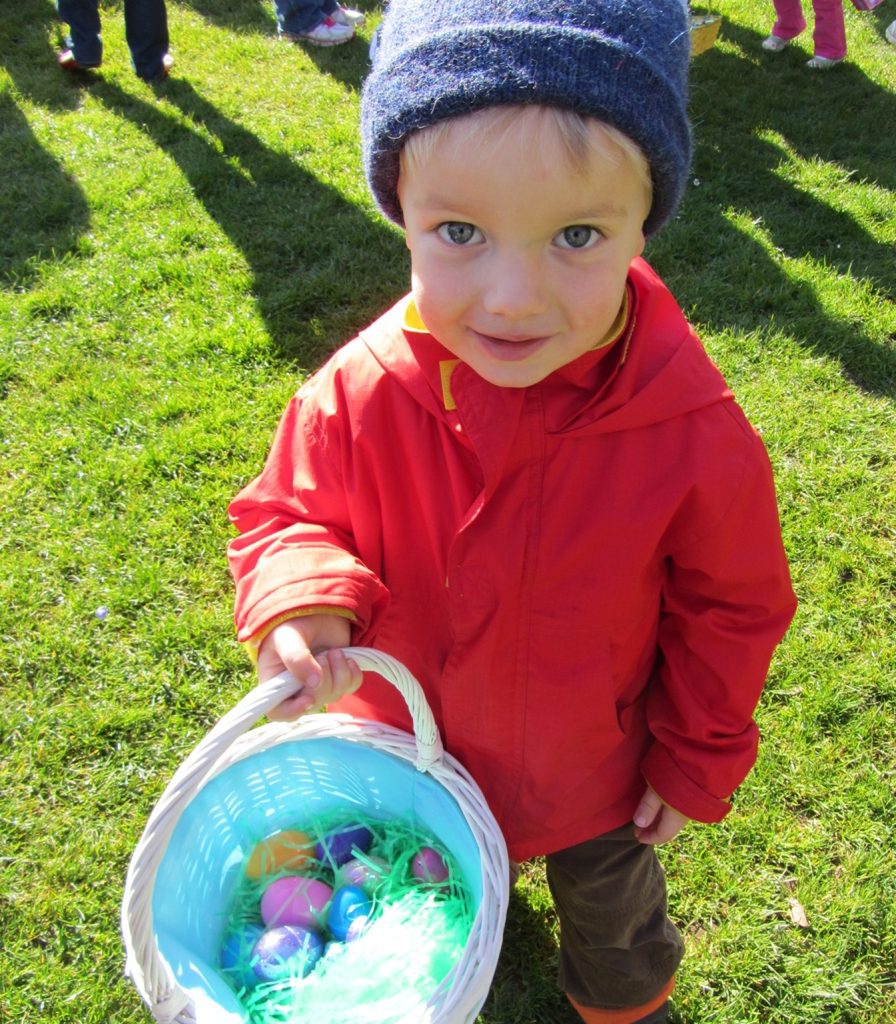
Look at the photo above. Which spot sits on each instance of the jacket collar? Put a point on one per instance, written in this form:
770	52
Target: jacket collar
651	367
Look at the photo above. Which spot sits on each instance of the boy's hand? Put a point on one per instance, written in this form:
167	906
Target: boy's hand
308	648
656	822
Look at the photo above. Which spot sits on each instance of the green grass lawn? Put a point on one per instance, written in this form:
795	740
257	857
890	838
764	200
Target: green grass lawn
173	261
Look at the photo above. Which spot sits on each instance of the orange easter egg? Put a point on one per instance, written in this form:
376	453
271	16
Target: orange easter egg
289	850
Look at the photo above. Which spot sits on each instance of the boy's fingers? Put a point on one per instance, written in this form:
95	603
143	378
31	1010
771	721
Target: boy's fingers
342	675
292	707
299	661
665	825
647	810
661	832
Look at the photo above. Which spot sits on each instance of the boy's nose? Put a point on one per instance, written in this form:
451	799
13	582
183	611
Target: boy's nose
513	288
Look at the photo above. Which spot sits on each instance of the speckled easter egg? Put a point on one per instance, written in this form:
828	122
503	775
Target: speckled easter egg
429	866
366	873
341	845
289	850
288	951
295	900
236	955
349	911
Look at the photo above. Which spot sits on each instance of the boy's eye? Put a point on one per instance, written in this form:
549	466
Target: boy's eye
457	232
578	236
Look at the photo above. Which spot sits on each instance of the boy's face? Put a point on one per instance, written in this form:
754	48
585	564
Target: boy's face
518	258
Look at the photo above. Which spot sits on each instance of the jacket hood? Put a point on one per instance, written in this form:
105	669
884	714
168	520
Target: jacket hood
658	368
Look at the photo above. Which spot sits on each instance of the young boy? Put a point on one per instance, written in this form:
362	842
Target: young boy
527	481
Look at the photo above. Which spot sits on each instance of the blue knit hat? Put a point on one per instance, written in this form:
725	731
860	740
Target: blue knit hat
624	62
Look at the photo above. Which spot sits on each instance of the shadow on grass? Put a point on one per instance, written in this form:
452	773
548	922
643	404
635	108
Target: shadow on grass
238	15
524	990
346	63
43	210
312	294
243	16
26	53
724	277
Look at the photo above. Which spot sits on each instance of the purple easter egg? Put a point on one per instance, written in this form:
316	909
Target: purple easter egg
295	900
340	846
348	913
236	955
288	951
428	866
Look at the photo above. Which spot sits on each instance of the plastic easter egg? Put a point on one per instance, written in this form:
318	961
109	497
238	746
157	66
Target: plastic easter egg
366	873
288	951
429	866
348	913
236	955
289	850
340	846
295	900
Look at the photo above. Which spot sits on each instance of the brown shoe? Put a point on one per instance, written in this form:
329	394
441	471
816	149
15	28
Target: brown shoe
69	62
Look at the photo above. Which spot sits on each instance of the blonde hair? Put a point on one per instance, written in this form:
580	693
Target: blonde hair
580	137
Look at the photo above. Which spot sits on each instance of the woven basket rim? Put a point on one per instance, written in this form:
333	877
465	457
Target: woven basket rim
233	740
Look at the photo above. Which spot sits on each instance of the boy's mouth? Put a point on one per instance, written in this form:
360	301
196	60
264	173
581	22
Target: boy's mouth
509	349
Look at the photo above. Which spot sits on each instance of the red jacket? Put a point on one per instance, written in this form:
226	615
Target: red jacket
586	576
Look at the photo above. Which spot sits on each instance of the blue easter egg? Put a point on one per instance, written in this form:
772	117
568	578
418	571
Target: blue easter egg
349	911
236	955
288	951
340	846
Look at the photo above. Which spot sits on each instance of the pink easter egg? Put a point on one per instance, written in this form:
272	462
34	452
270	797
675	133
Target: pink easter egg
428	866
295	900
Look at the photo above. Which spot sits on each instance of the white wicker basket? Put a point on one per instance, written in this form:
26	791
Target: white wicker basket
241	782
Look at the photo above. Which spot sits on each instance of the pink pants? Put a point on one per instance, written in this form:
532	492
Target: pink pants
830	33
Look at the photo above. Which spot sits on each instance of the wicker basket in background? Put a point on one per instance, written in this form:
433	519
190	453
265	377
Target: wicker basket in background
704	32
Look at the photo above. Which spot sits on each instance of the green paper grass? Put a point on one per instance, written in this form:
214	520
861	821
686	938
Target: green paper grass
417	934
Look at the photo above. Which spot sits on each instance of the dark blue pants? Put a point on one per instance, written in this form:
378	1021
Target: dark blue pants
302	15
145	26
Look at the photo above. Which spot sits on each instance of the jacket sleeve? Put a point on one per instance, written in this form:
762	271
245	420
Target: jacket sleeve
727	602
296	546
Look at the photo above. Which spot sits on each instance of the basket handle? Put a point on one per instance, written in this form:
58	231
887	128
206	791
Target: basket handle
145	967
426	732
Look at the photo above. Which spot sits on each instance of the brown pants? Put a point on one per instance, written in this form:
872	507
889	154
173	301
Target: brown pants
618	948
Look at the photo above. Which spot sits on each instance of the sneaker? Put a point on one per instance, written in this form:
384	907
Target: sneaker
823	63
890	32
167	65
67	60
774	44
346	16
327	33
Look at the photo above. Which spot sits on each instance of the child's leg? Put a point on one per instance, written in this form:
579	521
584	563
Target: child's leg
83	20
618	949
146	30
829	36
789	21
300	16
